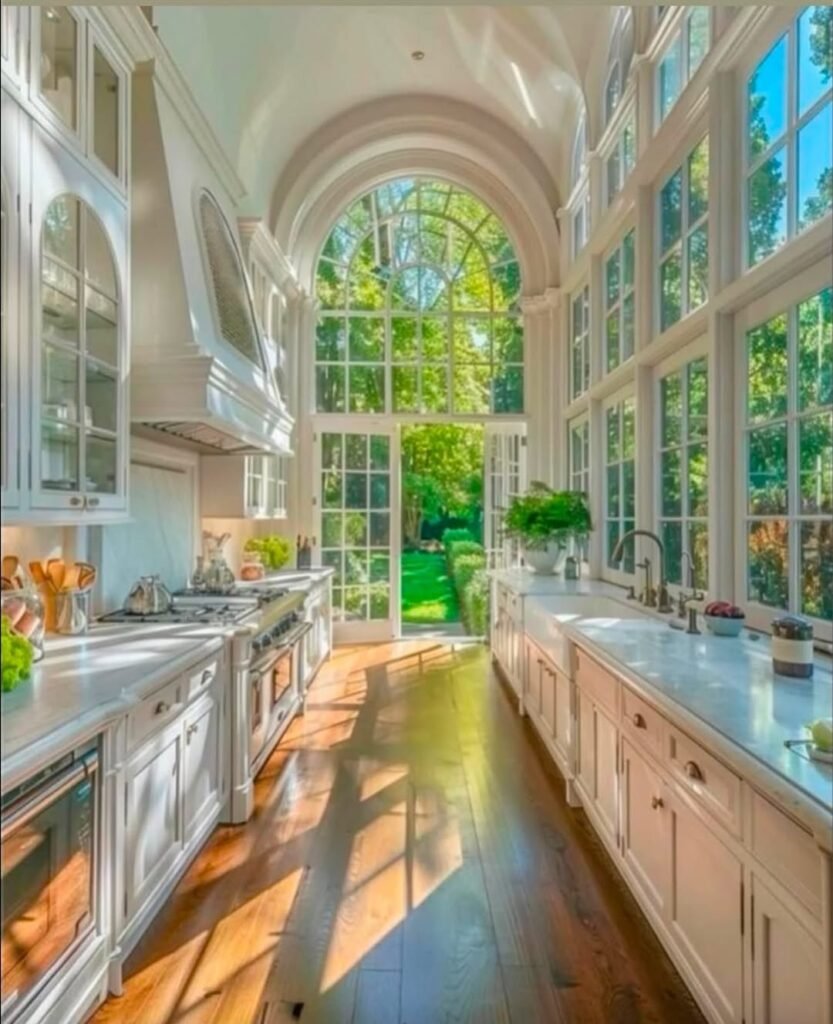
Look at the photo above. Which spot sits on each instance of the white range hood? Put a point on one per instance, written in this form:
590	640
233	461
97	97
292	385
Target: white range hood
200	372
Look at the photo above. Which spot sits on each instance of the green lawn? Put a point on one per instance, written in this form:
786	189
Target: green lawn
427	592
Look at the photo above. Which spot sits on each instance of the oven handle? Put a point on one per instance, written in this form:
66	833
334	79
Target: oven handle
20	814
297	634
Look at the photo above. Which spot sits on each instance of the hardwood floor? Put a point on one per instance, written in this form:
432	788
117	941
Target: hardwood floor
411	860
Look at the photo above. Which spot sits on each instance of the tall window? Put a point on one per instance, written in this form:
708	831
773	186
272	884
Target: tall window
684	238
618	62
619	302
580	455
419	285
620	479
580	343
789	459
683	471
621	161
789	135
682	57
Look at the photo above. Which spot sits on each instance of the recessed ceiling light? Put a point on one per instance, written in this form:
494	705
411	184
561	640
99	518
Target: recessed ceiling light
418	55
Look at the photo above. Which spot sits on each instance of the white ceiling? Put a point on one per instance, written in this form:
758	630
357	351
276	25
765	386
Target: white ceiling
268	77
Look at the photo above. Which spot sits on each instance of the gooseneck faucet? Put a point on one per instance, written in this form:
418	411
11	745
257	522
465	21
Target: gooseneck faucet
663	602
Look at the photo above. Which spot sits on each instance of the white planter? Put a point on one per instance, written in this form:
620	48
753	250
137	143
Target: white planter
546	561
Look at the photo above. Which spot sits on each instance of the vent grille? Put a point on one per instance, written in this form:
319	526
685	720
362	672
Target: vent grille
206	438
231	297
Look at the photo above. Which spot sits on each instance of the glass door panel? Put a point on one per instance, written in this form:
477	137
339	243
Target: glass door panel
59	457
357	483
102	466
505	478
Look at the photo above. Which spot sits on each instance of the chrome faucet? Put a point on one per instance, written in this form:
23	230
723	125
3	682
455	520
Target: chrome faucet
686	599
663	603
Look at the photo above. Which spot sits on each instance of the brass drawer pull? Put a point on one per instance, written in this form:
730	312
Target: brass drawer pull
638	721
656	802
162	708
692	770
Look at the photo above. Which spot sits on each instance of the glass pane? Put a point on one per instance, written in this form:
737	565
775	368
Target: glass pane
367	339
434	389
629	489
698	480
508	340
698	398
698	181
613	447
105	112
59	306
102	328
379	490
628	255
817	569
59	457
814	48
768	579
613	496
332	451
472	340
60	230
815	167
330	283
332	488
767	370
331	529
355	491
435	338
508	390
612	541
628	428
815	463
671	502
698	37
329	388
671	410
670	77
768	470
471	388
766	198
355	529
405	389
101	410
698	267
333	559
403	335
59	383
367	388
101	464
628	148
612	175
380	529
670	291
671	210
355	450
100	269
815	351
379	567
629	561
766	92
628	326
58	62
612	279
698	549
356	566
330	339
355	604
379	602
671	535
612	340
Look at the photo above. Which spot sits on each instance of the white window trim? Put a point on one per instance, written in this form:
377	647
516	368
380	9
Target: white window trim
675	25
607	573
619	305
582	472
583	336
624	166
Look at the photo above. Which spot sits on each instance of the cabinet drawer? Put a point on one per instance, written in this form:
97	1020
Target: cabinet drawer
642	722
154	712
596	681
200	678
715	787
787	851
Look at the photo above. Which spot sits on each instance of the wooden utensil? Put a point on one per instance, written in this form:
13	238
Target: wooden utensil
38	575
56	571
72	579
87	577
11	564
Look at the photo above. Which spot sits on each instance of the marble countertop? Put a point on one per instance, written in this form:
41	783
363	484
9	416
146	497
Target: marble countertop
529	584
83	683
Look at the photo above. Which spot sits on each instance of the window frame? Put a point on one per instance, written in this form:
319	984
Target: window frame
678	29
74	134
786	142
620	150
581	209
618	306
618	400
581	294
619	62
95	41
784	299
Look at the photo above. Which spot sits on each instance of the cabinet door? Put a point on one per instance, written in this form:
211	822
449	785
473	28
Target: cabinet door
705	908
586	745
203	754
563	720
645	827
11	289
548	698
606	773
787	964
154	835
535	678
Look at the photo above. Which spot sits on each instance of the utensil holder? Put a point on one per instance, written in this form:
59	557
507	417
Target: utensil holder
73	612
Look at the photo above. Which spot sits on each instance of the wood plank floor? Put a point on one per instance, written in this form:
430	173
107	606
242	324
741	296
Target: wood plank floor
411	860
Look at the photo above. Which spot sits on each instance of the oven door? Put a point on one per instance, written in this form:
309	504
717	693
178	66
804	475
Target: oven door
48	859
259	683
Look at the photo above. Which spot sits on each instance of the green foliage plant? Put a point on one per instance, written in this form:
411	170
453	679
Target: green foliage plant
543	516
274	550
17	655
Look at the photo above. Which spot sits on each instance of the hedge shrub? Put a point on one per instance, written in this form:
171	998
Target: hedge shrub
467	568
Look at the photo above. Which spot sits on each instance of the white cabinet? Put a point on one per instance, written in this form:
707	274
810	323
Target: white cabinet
787	964
547	701
203	764
243	486
534	675
598	778
645	827
317	643
508	637
11	324
153	816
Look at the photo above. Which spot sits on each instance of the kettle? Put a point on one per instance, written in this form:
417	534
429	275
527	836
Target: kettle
148	596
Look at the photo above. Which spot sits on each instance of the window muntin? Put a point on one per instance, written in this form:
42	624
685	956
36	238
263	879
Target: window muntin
59	63
682	57
620	480
620	298
105	94
789	135
788	453
580	343
683	244
419	276
683	490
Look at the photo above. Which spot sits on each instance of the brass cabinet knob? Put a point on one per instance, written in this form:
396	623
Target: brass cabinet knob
692	770
656	802
638	721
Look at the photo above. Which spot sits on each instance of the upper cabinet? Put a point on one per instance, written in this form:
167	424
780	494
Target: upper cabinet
64	265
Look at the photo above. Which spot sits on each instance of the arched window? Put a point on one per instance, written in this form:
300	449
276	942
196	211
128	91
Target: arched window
419	286
579	159
618	61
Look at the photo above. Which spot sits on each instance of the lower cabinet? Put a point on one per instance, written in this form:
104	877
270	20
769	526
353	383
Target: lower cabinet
316	644
598	777
534	677
645	828
787	964
202	764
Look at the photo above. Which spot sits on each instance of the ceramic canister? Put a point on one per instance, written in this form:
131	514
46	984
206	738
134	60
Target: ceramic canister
792	647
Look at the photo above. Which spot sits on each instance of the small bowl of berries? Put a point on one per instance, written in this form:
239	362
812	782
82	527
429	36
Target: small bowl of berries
724	618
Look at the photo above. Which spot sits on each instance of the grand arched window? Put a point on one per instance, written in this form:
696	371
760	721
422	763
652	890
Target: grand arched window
418	286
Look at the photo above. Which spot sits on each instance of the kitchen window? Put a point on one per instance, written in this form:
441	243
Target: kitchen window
681	58
789	135
620	479
621	161
788	455
683	241
619	302
59	63
580	343
683	467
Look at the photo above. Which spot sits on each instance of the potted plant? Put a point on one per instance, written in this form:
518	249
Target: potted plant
544	521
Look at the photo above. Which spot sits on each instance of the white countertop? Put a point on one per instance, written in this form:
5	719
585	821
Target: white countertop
727	685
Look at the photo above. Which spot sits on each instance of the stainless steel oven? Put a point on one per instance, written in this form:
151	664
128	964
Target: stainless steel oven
274	681
48	828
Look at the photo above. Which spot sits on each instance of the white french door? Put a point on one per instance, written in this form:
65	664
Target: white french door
358	527
505	477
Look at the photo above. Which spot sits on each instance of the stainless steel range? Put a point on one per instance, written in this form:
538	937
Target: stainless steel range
267	627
